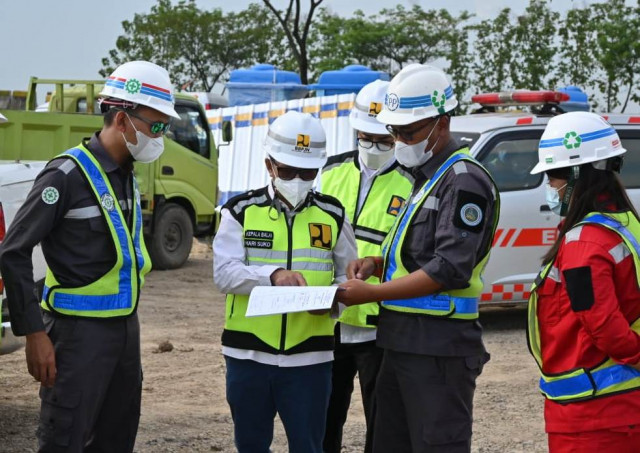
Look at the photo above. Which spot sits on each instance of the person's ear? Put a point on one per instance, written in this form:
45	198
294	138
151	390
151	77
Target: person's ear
120	121
269	166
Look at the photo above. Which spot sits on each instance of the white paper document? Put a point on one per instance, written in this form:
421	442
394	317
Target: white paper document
271	300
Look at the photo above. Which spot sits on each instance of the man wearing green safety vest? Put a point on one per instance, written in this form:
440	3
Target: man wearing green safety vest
283	234
84	208
373	187
431	266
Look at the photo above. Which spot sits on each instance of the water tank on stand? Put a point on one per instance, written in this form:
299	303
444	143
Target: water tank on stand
263	83
350	79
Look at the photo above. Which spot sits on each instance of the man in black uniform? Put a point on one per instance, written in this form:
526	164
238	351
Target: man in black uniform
83	339
431	271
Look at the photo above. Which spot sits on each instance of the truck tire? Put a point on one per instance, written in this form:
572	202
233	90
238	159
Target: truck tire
172	237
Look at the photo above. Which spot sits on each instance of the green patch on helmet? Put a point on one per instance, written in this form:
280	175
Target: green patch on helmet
132	86
438	101
572	140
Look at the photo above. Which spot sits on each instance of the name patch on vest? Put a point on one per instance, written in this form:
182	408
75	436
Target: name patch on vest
395	205
320	235
258	239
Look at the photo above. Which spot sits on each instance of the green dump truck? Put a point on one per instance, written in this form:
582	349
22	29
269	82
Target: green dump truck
178	192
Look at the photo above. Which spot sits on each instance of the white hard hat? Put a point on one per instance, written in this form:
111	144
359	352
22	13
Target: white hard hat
144	83
297	140
368	104
576	138
3	119
417	92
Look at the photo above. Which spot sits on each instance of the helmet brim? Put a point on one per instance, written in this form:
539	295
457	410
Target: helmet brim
543	166
368	127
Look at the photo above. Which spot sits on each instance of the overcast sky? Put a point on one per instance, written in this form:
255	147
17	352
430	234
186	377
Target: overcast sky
68	38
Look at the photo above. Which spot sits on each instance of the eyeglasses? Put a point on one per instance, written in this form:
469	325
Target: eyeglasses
406	135
288	173
157	127
368	144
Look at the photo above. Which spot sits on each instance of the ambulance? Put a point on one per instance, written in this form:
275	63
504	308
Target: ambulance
504	136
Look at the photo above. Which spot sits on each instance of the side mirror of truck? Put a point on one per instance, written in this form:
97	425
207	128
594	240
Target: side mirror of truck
227	131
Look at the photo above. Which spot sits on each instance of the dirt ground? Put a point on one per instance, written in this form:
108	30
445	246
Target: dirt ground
184	407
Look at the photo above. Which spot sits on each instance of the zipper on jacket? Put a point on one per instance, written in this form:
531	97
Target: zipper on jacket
283	333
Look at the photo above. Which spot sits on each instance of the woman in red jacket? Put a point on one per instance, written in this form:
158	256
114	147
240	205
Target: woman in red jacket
585	305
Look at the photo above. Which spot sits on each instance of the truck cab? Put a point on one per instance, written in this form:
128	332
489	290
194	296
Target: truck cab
178	192
506	143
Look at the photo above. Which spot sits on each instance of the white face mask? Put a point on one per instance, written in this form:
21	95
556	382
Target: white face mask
294	191
416	154
373	157
553	199
146	149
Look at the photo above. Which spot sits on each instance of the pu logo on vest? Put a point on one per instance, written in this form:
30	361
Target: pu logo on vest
374	108
320	235
303	142
258	239
395	205
107	202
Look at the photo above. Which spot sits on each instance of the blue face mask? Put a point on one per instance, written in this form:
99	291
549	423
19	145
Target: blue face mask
553	199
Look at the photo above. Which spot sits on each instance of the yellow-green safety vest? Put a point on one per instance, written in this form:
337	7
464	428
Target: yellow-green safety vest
341	178
609	377
303	243
116	293
456	303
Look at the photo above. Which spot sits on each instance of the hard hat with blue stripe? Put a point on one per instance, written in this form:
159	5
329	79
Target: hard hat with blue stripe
417	92
142	83
576	138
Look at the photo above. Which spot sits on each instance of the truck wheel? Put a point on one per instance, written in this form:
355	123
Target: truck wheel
172	237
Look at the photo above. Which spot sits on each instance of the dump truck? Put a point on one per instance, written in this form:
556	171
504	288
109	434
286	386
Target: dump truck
178	192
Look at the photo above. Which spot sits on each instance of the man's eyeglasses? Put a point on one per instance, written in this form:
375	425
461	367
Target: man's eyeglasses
157	127
403	132
368	144
288	173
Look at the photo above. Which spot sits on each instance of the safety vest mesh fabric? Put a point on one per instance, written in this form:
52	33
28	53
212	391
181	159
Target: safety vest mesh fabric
609	377
381	206
456	304
305	246
116	293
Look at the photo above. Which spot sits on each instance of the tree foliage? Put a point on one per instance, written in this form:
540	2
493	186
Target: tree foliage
197	47
596	46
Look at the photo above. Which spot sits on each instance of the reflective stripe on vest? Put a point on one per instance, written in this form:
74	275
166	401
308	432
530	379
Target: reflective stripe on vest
382	203
609	377
116	293
459	304
289	246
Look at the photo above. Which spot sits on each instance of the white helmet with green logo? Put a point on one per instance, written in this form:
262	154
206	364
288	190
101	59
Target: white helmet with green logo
417	92
142	83
576	138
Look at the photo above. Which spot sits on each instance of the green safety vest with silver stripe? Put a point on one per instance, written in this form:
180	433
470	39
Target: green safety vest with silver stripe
456	303
116	293
303	243
609	377
341	178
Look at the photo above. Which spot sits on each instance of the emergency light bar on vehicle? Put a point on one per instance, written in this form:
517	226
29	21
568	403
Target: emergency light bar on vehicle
520	97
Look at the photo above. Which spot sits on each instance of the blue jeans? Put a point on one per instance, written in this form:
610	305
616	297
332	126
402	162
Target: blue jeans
300	395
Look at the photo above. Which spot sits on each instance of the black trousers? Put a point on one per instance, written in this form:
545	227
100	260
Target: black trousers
94	405
424	404
349	359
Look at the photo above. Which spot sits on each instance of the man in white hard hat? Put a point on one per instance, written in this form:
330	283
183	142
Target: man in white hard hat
284	234
430	269
372	186
83	338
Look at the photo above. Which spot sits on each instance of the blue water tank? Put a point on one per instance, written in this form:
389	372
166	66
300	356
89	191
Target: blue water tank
350	79
578	100
263	83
